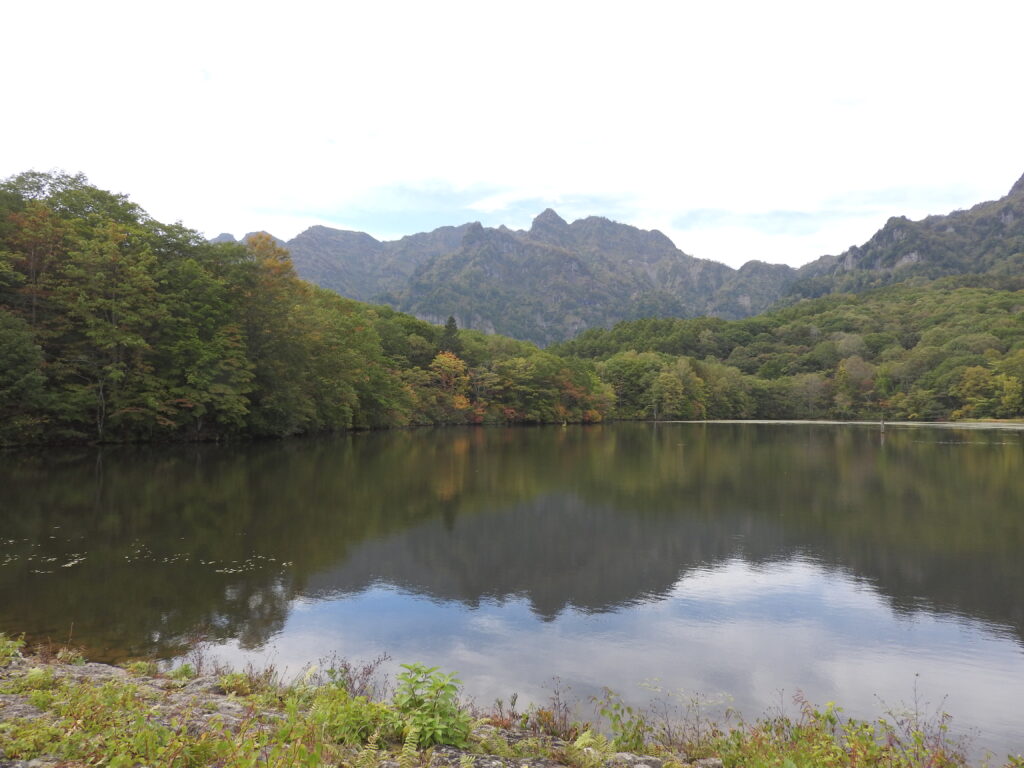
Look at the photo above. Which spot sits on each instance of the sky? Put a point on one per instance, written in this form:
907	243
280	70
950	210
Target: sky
779	131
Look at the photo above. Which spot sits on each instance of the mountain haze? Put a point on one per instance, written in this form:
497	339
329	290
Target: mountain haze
549	282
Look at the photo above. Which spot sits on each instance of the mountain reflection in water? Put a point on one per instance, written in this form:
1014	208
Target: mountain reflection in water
725	558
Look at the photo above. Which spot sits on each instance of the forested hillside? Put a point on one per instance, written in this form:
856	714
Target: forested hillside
114	326
953	348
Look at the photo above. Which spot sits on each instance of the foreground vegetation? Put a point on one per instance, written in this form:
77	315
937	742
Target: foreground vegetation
56	707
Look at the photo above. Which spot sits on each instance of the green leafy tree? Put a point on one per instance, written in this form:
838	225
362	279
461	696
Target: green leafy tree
449	341
679	393
976	392
1010	394
450	382
853	387
109	305
37	240
21	380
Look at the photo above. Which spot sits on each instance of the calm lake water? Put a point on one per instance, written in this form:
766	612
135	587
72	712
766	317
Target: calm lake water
744	562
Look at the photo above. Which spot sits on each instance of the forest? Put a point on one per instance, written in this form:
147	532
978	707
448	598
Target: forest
115	327
920	350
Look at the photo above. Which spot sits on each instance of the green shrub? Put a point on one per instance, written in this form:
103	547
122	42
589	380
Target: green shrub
184	672
238	683
820	737
10	648
629	727
352	720
428	702
142	669
36	679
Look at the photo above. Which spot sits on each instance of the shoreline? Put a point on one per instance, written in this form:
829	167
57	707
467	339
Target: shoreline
35	726
59	711
1009	425
1013	426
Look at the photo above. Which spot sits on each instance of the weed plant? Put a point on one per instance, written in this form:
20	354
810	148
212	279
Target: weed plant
10	649
428	701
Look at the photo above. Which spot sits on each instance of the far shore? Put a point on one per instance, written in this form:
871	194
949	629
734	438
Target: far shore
1015	426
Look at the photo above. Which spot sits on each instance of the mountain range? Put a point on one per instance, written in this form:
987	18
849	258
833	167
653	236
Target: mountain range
549	282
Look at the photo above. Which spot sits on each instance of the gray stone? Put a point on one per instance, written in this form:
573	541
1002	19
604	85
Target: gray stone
709	762
205	684
636	761
13	706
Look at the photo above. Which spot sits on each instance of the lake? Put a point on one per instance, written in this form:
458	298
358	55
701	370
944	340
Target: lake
744	562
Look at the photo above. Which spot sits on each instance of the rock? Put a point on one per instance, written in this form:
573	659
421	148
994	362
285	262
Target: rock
637	761
205	684
88	672
709	762
450	757
13	706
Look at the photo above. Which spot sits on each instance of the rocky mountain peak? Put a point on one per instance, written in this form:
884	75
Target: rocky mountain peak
551	228
1017	190
473	233
319	234
548	219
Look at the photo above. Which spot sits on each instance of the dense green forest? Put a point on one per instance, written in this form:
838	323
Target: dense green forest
951	348
116	327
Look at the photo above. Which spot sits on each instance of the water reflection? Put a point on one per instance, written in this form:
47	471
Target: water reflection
747	635
734	558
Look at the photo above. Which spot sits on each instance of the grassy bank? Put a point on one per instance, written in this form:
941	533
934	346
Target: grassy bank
58	710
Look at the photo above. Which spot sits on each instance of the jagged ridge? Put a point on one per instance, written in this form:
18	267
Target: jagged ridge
548	283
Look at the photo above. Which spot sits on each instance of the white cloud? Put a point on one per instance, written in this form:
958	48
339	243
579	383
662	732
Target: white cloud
226	115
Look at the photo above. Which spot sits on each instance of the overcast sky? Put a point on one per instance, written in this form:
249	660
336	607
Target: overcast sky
780	131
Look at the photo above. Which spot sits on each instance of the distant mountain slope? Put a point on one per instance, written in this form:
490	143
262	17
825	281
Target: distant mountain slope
346	262
548	283
752	289
986	239
554	280
543	285
361	267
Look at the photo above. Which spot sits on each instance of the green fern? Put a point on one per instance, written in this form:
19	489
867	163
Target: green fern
590	750
410	752
367	757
